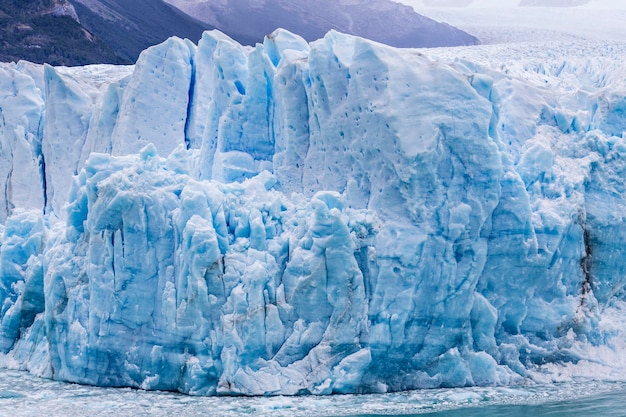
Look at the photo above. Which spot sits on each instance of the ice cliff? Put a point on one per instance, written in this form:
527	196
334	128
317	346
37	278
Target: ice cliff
331	217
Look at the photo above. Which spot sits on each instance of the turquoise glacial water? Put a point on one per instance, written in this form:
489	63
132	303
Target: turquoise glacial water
21	394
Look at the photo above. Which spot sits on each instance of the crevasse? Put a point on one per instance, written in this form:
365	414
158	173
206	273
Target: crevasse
333	217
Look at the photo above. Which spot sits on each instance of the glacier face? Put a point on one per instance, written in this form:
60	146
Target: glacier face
331	217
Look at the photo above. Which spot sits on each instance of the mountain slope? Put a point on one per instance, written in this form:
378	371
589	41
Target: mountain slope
48	31
129	27
384	21
79	32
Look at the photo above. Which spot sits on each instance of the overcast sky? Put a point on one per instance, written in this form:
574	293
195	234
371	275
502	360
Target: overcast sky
600	4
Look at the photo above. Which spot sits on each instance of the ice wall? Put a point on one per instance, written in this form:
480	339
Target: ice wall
331	217
21	109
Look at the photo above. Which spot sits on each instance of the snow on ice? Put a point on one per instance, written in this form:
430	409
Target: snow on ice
333	217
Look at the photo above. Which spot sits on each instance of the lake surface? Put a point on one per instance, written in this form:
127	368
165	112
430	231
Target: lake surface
24	395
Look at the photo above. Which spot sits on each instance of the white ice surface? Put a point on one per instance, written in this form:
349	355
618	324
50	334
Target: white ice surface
502	22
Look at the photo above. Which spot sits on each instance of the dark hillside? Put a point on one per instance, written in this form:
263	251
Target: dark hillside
130	26
386	21
44	31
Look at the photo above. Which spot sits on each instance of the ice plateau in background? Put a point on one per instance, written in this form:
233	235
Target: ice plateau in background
333	217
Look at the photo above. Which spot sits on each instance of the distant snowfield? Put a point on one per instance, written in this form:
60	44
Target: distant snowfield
595	4
502	22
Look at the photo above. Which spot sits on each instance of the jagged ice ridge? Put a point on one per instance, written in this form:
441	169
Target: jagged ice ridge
332	217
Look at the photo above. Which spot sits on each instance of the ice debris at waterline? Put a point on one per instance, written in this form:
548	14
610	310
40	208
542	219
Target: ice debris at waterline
331	217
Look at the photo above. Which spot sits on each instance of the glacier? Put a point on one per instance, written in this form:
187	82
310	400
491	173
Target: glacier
313	218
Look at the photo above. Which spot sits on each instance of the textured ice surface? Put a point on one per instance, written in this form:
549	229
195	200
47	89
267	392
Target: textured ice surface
333	217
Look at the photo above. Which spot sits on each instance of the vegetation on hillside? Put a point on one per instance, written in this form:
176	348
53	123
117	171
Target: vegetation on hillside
140	24
30	30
